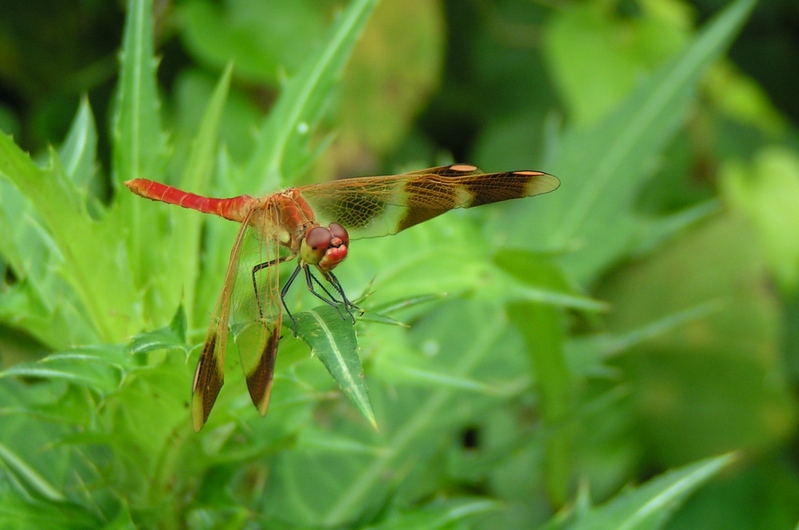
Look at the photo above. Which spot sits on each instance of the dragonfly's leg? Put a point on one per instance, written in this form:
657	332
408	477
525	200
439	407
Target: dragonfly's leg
260	266
285	290
331	301
349	306
330	298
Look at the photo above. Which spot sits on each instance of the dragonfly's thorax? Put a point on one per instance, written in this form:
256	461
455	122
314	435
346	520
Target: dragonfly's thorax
294	218
298	229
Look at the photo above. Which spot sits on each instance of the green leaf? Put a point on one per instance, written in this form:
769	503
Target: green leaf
139	144
725	355
378	314
18	512
33	480
171	336
650	505
200	163
587	354
282	142
255	33
602	168
543	330
79	152
33	257
100	368
90	255
382	93
464	340
331	336
661	230
763	494
438	514
282	146
584	48
180	242
768	195
543	280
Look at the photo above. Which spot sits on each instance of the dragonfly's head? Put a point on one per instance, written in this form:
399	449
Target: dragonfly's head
325	247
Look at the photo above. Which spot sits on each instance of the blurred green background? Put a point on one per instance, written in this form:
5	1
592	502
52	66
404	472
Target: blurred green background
625	330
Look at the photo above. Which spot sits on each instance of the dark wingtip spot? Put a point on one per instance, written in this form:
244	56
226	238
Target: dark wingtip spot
259	382
207	355
209	345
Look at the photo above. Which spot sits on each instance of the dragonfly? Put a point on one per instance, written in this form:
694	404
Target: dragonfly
315	224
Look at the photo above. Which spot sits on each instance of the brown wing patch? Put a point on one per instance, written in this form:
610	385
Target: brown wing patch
500	186
210	374
428	196
208	380
259	381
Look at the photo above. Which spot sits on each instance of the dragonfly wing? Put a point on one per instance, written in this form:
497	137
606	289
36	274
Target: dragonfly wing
378	206
259	374
258	309
210	374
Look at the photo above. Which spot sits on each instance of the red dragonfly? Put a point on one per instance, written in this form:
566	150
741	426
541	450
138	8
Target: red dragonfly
316	223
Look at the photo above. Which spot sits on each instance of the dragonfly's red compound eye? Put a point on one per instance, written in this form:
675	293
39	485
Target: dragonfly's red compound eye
318	238
340	232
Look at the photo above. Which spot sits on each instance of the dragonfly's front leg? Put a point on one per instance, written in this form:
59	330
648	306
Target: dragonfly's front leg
348	306
310	277
260	266
331	300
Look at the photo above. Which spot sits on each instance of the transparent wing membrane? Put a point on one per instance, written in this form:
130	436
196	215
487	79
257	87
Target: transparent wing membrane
250	310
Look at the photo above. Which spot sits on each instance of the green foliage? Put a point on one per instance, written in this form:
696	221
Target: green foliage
650	505
617	326
332	339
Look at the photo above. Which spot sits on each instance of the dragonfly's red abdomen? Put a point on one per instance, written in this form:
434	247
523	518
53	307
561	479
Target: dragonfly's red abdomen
234	208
